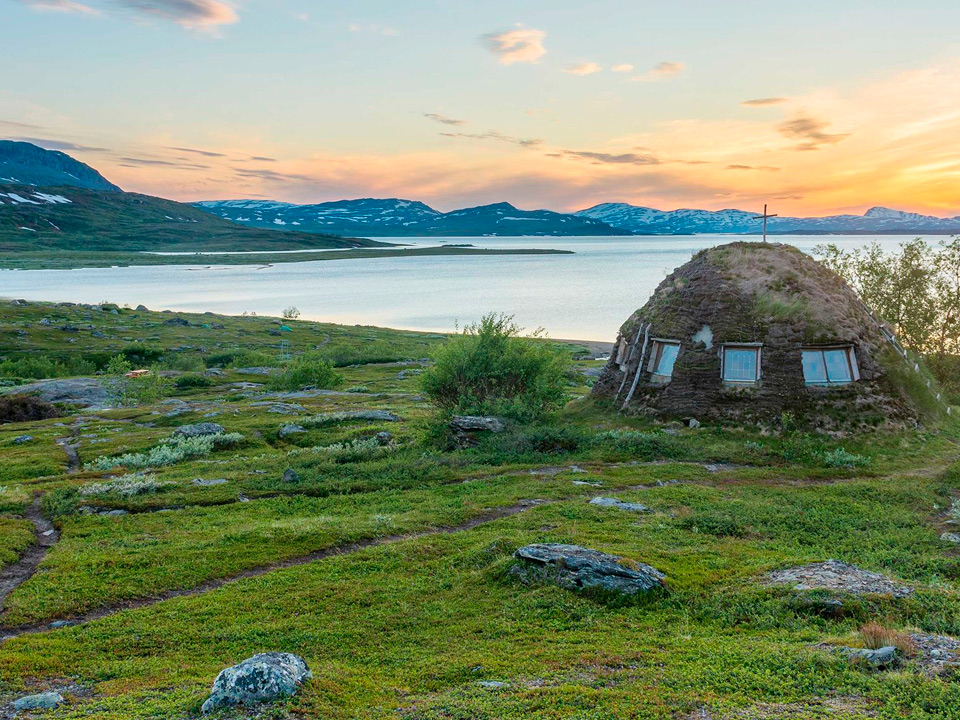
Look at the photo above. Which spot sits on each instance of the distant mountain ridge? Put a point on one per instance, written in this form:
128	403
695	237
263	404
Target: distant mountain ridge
27	164
394	217
639	220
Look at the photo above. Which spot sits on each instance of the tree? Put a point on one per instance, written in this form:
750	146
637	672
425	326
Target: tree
291	313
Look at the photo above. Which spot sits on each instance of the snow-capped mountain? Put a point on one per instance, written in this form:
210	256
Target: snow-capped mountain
393	217
649	221
26	164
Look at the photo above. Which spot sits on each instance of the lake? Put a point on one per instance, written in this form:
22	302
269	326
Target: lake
584	296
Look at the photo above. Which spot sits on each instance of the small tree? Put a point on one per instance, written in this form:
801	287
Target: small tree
490	368
291	313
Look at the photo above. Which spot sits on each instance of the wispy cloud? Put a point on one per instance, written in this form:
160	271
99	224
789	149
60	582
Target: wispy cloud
64	6
49	144
203	15
376	29
19	125
523	45
612	158
205	153
811	131
494	135
622	68
661	71
261	158
273	176
585	68
151	162
443	119
764	102
765	168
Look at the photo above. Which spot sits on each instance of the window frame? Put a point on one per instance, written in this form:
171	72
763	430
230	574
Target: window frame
757	349
656	355
850	353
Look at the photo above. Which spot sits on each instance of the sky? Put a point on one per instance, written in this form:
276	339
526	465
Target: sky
814	107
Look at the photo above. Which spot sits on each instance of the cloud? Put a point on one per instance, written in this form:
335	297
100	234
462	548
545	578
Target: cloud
622	68
205	153
150	162
516	46
261	158
613	158
48	144
204	15
810	131
763	102
64	6
661	71
494	135
273	176
443	119
20	125
586	68
378	29
766	168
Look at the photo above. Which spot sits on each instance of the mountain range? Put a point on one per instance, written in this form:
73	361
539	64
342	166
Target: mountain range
393	217
24	163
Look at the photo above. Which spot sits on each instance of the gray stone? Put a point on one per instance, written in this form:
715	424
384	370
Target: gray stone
87	392
142	308
286	430
492	684
576	568
946	537
41	701
384	438
619	504
199	430
213	372
208	483
291	476
177	321
836	575
57	624
22	439
878	659
693	423
265	677
476	422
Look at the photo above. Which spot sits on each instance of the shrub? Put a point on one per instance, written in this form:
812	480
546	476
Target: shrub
640	444
718	525
38	367
125	486
291	313
169	452
490	369
25	408
185	382
840	458
141	355
306	370
876	636
349	451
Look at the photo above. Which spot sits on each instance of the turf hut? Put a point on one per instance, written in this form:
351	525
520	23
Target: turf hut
747	331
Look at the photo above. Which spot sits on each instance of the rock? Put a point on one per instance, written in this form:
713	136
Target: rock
57	624
112	513
587	483
384	438
936	653
287	430
213	372
208	483
836	575
199	430
265	677
285	408
22	439
291	476
256	371
946	537
693	423
87	392
492	684
217	326
41	701
45	321
619	504
575	568
879	659
142	308
177	321
466	423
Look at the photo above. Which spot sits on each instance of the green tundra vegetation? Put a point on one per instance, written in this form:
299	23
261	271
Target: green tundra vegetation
336	516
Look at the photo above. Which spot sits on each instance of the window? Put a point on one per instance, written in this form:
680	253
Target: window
830	366
663	358
741	363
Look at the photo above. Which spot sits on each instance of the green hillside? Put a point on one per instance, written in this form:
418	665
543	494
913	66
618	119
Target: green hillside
70	218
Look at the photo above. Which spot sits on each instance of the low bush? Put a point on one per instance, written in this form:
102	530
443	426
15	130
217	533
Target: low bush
641	445
876	636
25	408
186	382
490	369
125	486
349	451
306	370
840	458
39	367
169	452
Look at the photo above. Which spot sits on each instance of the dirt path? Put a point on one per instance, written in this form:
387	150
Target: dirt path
214	584
46	536
69	446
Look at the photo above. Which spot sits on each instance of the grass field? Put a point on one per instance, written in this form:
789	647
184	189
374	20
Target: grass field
387	566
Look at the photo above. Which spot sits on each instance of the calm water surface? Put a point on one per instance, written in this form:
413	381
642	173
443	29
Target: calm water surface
586	295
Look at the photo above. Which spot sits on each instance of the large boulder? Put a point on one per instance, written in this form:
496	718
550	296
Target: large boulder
86	392
619	504
577	568
838	576
41	701
467	423
265	677
199	430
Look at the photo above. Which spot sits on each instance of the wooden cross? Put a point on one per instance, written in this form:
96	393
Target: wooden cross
764	218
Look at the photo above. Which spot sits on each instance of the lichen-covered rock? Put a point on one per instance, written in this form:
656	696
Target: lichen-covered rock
40	701
878	659
476	422
840	576
265	677
619	504
199	430
290	429
577	568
